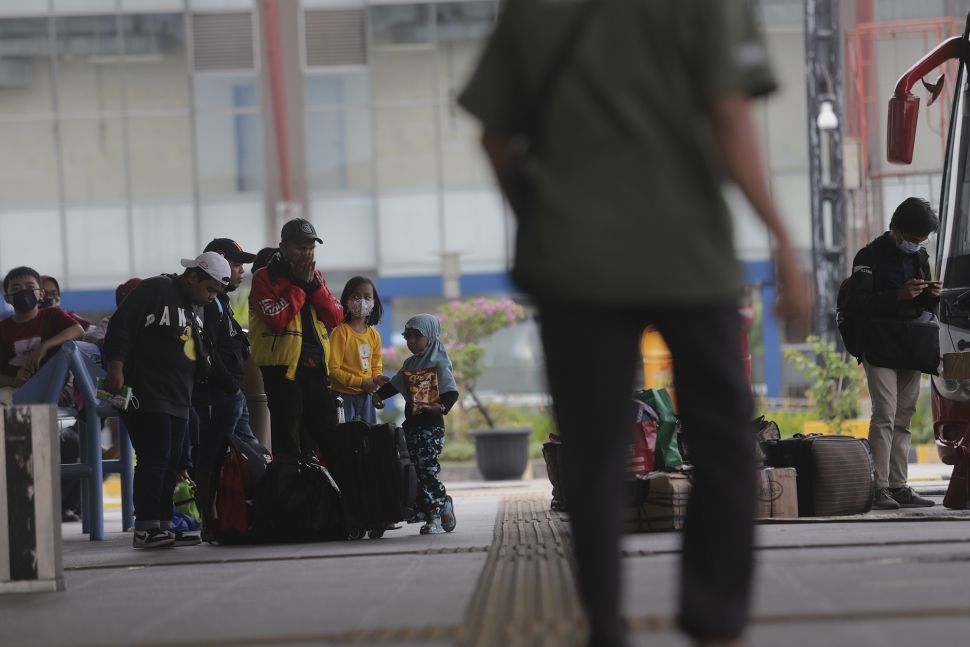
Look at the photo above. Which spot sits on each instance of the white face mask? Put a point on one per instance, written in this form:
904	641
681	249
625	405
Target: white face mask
361	307
907	247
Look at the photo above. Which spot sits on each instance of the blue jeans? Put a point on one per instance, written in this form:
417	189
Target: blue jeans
358	405
220	415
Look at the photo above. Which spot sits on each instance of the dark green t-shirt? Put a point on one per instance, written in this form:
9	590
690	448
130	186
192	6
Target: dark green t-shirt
629	206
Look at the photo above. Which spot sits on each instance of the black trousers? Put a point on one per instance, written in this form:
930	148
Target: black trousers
302	411
159	440
591	355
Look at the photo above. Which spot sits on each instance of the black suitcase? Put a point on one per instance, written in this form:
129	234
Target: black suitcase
373	469
834	474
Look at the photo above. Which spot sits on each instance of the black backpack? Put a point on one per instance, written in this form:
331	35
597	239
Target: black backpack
850	327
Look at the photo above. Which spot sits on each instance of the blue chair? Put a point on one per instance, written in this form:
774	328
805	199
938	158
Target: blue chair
44	387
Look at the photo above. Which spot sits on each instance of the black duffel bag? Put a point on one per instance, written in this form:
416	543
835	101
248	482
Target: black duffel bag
298	501
912	344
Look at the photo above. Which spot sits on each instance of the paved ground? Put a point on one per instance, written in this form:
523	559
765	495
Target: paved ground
856	582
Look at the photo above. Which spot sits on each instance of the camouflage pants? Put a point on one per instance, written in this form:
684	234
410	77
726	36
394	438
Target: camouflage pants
424	446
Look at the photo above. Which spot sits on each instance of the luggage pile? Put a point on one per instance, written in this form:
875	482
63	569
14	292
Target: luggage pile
806	475
368	484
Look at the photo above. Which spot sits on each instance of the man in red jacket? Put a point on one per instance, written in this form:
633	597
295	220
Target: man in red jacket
290	309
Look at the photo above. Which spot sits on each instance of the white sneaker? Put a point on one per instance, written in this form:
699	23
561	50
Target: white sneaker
433	527
153	538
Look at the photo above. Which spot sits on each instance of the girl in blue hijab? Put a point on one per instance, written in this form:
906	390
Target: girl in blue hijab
428	385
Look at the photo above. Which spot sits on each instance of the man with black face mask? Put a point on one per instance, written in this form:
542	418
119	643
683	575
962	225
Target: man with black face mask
890	284
31	334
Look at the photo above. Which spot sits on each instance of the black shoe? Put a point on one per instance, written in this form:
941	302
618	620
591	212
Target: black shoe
153	538
69	516
884	500
187	538
906	497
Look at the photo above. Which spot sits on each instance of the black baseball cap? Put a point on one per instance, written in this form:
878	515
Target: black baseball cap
230	249
299	230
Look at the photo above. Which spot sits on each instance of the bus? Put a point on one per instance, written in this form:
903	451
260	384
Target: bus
951	389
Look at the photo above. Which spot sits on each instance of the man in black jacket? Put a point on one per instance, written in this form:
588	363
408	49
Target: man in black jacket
154	344
891	283
222	411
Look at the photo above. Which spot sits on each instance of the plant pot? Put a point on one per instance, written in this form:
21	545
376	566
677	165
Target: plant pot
501	454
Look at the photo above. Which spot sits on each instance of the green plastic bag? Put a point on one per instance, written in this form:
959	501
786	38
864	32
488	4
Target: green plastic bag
184	500
668	451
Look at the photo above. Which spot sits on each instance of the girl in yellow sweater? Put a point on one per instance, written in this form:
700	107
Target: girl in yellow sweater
355	364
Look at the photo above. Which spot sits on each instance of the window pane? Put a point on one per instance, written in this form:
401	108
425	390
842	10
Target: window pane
28	165
30	235
238	217
88	75
403	76
229	152
25	81
160	158
400	24
406	156
93	160
92	231
163	233
339	150
225	93
337	90
462	29
154	64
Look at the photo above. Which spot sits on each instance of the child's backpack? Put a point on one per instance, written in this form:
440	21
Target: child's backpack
237	481
850	327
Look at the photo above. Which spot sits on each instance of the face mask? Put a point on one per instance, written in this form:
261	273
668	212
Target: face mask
907	247
361	307
24	301
47	302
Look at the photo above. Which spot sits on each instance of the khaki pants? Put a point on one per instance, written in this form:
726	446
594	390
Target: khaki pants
893	393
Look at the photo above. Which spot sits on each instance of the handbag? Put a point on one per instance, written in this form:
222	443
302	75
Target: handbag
518	178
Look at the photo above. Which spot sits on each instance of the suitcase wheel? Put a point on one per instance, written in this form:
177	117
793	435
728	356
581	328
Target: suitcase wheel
355	533
376	533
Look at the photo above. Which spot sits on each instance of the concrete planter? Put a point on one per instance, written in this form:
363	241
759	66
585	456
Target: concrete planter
501	454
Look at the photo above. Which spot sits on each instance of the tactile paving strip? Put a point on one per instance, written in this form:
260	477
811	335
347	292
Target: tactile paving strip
526	594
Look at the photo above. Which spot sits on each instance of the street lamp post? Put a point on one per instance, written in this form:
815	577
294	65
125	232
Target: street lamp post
827	190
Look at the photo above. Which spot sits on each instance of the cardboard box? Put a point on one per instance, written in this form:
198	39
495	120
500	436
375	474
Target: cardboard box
777	493
660	502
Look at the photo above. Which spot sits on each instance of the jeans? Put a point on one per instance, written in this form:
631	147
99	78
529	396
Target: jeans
358	405
158	439
591	396
302	411
894	393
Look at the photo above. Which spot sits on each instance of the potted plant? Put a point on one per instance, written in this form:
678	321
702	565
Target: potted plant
499	453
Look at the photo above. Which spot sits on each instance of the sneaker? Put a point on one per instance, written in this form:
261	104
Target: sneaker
448	520
187	538
153	538
906	497
433	527
70	516
884	500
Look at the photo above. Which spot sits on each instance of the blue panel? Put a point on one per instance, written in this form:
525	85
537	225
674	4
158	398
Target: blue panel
86	300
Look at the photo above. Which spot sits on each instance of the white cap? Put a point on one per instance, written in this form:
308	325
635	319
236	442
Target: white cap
212	263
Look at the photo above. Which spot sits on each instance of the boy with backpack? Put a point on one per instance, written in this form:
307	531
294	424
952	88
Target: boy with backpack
881	307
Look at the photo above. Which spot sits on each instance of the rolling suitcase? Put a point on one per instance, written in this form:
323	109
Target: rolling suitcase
298	501
834	473
373	469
